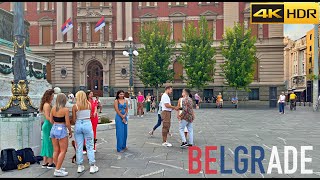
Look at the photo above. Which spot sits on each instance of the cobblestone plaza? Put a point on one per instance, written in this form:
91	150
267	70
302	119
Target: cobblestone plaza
213	127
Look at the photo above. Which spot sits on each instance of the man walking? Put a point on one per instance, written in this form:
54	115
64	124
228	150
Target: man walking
159	119
186	117
281	101
166	114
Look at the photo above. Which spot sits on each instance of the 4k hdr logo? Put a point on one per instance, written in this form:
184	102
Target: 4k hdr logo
284	13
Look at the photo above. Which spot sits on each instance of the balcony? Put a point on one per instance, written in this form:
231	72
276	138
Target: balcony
94	11
93	45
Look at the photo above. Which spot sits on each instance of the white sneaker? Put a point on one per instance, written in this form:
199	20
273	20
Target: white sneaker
151	133
80	168
60	173
94	169
94	150
166	144
63	169
142	116
84	152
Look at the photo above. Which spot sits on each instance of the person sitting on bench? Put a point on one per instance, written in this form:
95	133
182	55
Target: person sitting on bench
234	101
219	101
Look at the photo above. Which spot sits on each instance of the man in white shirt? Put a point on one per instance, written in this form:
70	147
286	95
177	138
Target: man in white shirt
70	97
281	101
166	114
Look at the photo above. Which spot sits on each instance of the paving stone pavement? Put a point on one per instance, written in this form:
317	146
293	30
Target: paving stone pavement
220	127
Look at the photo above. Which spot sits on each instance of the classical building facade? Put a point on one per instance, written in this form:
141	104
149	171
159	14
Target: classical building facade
83	59
295	61
310	53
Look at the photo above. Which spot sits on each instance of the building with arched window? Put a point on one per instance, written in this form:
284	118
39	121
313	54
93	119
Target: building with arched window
85	59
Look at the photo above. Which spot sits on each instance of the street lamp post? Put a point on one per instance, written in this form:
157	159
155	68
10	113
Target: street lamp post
130	51
315	66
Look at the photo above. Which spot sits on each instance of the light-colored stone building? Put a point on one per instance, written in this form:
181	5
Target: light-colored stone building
83	59
295	56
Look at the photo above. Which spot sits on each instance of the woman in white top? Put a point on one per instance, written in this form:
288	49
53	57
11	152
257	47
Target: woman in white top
281	101
178	113
127	98
81	113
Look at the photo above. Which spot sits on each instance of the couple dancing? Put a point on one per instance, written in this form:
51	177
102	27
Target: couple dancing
185	116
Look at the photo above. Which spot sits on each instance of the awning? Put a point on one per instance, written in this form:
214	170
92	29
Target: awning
299	90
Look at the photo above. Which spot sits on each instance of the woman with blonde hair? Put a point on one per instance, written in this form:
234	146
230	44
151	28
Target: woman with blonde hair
59	134
81	112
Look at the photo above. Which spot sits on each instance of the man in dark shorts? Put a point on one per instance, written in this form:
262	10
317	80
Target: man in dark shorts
166	115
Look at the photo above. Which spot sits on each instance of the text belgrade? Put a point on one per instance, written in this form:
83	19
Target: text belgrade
257	155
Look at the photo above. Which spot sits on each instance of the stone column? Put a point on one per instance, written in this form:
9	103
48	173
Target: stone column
106	72
119	21
38	6
102	35
214	29
40	35
79	32
69	15
51	34
128	19
110	32
59	21
88	31
11	6
46	5
82	70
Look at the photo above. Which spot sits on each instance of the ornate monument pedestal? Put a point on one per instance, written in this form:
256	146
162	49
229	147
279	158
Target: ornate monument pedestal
19	127
21	132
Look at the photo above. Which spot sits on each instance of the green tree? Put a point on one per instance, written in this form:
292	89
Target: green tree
154	58
238	49
197	54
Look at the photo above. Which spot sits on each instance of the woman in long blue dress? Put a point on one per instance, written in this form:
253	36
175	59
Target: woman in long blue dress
121	108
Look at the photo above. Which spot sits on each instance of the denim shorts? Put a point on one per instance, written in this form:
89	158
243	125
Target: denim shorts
58	131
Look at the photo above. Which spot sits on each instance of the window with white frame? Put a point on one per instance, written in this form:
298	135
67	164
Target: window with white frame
208	3
147	4
177	4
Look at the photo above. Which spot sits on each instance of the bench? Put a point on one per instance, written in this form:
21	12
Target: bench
226	104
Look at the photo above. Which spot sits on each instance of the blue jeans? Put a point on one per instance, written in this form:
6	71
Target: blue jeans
182	125
158	123
281	107
58	131
83	131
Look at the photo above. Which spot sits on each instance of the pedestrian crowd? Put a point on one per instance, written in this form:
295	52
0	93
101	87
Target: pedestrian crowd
56	127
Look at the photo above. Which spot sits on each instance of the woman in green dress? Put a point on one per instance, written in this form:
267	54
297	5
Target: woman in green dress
148	99
46	144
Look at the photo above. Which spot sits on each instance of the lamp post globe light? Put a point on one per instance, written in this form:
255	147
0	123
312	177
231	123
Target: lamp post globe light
130	51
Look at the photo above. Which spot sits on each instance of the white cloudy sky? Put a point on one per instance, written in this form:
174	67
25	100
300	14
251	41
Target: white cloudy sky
296	31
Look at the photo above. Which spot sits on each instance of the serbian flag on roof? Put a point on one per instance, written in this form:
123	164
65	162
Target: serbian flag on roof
66	26
100	24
